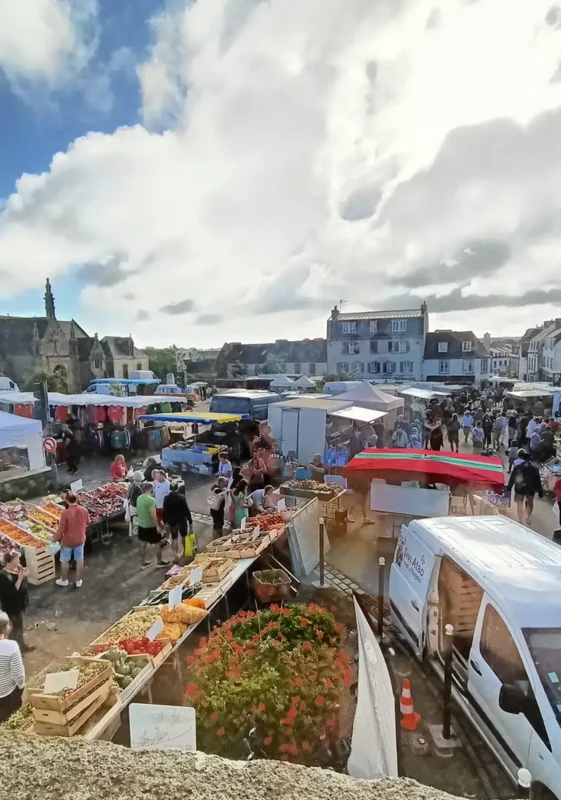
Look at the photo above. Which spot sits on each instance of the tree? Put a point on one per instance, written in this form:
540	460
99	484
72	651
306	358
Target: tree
55	382
237	369
162	360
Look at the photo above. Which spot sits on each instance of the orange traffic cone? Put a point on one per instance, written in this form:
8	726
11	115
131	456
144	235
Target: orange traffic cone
410	719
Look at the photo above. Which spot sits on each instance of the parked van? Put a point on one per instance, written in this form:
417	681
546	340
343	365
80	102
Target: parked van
7	385
254	404
499	584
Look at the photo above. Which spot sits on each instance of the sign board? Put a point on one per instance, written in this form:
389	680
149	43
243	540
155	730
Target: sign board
162	727
409	501
59	681
76	486
243	523
49	444
156	628
281	505
336	456
195	576
256	532
499	499
175	596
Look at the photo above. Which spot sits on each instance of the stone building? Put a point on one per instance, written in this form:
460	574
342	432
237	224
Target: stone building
29	345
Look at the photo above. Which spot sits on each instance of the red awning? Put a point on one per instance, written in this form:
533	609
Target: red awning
428	466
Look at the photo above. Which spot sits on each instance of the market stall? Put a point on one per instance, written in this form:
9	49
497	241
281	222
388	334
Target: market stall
368	395
198	450
21	445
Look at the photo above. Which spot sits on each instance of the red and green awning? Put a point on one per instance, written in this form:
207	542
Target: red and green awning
428	466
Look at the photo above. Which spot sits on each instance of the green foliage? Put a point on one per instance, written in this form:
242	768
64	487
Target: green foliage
162	360
277	670
54	381
237	370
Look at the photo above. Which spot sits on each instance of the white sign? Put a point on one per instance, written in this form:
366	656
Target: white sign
242	526
76	486
281	505
56	682
195	576
409	501
256	533
175	596
156	628
162	727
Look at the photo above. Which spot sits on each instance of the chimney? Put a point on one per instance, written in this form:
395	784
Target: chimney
334	314
424	307
487	340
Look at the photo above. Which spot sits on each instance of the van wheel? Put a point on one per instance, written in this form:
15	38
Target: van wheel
541	792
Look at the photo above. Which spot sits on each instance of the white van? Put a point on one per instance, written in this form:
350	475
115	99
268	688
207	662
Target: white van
499	584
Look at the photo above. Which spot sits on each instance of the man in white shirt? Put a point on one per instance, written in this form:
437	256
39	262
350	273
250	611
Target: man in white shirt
161	490
467	424
532	425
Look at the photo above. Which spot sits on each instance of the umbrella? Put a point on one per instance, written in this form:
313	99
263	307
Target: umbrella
429	466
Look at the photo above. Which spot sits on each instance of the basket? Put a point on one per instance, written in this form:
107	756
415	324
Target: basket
268	592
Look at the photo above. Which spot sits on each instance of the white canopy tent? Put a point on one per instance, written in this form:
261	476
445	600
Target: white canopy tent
303	382
23	435
366	395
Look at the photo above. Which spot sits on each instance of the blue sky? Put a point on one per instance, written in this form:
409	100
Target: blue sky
39	129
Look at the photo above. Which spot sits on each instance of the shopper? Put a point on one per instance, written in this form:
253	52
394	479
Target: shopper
118	469
241	503
219	495
526	481
162	488
477	437
400	438
133	493
149	528
256	472
177	516
71	449
317	469
262	500
224	466
557	493
499	428
13	596
436	437
487	430
150	470
453	429
71	534
12	671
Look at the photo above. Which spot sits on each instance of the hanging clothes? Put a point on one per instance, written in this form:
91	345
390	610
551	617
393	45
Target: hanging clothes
115	414
61	413
22	410
99	414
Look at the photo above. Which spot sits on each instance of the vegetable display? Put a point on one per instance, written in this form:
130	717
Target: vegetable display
266	522
47	520
20	720
105	500
38	530
52	508
135	625
125	667
18	535
133	647
86	671
310	486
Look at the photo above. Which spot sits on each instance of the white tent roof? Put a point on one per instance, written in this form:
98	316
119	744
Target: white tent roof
358	414
304	382
20	398
280	381
367	395
14	429
92	399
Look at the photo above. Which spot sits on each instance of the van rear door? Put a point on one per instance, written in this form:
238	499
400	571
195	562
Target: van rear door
410	579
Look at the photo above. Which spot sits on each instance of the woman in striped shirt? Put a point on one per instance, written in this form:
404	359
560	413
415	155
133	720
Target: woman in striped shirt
12	672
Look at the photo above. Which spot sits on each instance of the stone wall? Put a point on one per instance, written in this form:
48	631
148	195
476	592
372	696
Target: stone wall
32	484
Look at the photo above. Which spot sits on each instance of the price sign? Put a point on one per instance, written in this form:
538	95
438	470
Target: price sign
281	505
175	596
76	486
195	576
162	727
49	444
156	628
59	681
242	526
256	532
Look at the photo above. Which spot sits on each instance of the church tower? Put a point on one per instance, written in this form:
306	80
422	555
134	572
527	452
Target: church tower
49	301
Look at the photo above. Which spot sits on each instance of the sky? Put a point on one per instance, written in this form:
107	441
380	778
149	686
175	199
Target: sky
201	171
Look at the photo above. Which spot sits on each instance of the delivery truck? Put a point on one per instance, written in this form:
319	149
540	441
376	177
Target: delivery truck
499	584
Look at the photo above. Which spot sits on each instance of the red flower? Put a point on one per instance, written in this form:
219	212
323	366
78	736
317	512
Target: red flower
330	723
307	646
320	634
297	681
302	706
347	680
202	641
267	740
220	732
333	608
312	678
295	701
214	716
190	659
276	644
320	701
191	689
304	622
261	707
328	682
291	713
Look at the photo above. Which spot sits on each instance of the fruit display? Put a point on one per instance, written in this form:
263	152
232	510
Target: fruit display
310	485
52	508
15	510
106	500
266	522
135	625
125	667
42	517
38	530
16	534
132	647
20	720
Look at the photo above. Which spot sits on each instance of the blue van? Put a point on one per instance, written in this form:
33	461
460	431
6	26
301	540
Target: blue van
255	404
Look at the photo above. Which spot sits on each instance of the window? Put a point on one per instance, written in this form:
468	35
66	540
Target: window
373	326
398	346
139	367
374	346
374	368
466	347
443	367
544	645
348	327
351	348
98	363
406	366
443	347
312	369
342	368
297	367
125	371
389	367
484	366
467	366
399	325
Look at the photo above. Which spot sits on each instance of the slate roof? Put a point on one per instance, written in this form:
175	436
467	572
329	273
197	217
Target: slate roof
454	340
16	334
372	315
119	347
526	339
307	351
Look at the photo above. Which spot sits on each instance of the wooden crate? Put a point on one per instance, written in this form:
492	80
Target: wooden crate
105	721
163	654
70	728
248	550
46	702
112	628
66	717
140	679
214	569
41	565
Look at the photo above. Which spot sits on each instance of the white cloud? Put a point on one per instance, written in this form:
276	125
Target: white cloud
315	151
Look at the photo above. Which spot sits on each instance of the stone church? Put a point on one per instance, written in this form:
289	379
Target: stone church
29	345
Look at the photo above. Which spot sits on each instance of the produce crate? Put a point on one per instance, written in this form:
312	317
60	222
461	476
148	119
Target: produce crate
71	713
214	569
244	550
62	703
163	654
69	728
41	566
270	592
20	536
42	517
308	494
113	630
177	580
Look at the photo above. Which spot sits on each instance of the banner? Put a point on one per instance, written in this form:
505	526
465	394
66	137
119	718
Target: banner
374	742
